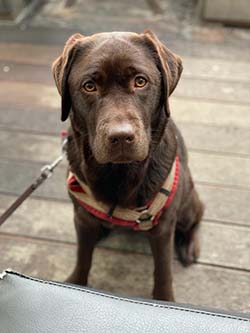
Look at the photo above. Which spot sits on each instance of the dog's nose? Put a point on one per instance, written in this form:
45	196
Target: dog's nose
121	134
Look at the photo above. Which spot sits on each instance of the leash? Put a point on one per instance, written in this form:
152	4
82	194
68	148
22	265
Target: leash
46	172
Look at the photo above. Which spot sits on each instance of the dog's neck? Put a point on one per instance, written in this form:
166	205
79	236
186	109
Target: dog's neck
125	185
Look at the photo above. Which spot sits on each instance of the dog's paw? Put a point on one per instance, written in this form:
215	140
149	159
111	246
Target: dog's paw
77	278
187	247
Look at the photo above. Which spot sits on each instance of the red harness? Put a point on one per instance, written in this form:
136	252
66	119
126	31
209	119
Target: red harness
74	186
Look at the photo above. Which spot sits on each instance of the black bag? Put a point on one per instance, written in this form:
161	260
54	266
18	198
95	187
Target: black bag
29	305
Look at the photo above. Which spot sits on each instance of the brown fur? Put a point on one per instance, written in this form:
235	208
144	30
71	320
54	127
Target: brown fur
122	142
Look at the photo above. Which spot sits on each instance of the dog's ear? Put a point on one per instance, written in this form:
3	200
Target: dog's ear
169	64
61	69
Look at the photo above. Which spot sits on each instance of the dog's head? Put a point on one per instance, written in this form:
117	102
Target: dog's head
115	86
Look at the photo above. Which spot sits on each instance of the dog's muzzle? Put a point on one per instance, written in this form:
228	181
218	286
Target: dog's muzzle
120	143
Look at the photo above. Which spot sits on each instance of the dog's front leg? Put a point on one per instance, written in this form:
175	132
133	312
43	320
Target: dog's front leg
161	241
87	236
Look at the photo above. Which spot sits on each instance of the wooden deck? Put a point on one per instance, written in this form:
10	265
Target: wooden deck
210	105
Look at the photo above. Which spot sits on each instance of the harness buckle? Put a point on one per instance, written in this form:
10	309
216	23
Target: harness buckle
145	217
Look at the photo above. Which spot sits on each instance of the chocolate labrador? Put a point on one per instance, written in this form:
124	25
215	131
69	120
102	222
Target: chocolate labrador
128	164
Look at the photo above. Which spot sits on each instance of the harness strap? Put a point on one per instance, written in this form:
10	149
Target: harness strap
138	218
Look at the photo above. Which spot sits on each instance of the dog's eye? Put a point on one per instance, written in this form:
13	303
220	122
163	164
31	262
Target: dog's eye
140	82
89	86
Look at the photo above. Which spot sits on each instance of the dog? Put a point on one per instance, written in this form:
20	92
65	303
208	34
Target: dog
128	164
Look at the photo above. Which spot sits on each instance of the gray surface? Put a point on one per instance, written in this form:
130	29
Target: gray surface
32	306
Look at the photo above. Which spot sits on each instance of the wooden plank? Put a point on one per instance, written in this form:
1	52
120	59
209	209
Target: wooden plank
29	53
25	146
227	11
221	139
221	245
18	176
183	111
234	92
210	113
31	99
188	87
225	245
198	284
26	63
206	168
28	94
15	72
212	250
216	69
36	35
229	50
224	126
30	147
41	119
34	219
40	218
33	92
225	204
220	170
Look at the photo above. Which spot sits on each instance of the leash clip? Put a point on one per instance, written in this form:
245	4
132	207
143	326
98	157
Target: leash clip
47	171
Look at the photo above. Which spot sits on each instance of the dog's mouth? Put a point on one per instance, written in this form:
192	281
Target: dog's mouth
125	158
123	161
121	157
